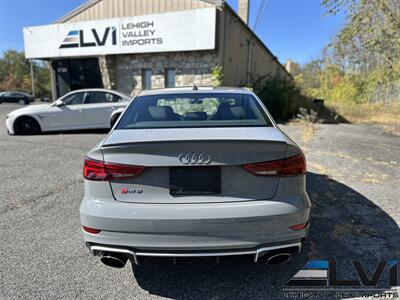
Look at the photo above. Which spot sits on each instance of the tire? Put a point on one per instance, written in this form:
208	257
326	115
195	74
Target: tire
23	101
26	126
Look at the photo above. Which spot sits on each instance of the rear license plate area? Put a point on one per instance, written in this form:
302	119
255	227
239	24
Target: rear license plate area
185	181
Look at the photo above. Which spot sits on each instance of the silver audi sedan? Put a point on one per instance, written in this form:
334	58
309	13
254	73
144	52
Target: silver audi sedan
193	172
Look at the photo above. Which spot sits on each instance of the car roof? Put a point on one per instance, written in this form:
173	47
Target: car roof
101	90
14	92
194	89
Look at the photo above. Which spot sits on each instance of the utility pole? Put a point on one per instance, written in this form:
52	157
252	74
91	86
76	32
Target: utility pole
32	79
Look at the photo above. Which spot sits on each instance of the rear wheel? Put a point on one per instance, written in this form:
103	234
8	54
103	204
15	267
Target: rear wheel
26	125
22	101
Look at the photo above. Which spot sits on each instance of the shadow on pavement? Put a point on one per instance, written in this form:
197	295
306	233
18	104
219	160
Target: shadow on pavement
345	225
327	115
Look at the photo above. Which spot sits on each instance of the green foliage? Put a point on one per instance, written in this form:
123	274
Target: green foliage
370	39
331	83
280	96
217	75
364	55
15	74
327	82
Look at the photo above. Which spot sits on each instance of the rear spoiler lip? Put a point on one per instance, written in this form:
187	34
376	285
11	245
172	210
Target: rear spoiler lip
243	134
192	141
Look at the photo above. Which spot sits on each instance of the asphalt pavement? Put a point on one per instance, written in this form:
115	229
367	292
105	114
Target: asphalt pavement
353	181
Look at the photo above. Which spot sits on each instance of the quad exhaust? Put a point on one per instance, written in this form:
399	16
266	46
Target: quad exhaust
113	259
118	260
117	257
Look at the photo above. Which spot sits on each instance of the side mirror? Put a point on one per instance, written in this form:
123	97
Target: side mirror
59	103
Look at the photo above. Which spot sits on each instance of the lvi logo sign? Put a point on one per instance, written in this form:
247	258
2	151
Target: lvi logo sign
323	274
76	38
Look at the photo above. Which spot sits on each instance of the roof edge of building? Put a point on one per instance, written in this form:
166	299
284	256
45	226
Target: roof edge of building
256	37
90	3
76	11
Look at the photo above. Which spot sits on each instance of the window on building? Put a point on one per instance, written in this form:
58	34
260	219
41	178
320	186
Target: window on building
146	79
169	77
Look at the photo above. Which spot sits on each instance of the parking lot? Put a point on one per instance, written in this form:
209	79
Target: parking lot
353	182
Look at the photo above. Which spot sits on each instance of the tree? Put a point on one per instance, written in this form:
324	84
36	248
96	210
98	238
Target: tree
371	37
308	76
281	96
15	74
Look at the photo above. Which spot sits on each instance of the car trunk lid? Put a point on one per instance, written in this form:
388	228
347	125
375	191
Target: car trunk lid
177	159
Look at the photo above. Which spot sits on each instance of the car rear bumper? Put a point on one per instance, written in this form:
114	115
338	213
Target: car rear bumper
195	227
197	233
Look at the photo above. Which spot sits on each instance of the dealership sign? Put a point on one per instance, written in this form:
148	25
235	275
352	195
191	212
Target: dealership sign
171	31
323	273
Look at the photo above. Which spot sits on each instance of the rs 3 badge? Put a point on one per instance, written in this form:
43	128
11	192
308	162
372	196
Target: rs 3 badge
125	190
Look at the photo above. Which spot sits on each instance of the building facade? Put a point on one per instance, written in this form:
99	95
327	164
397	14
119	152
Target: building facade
131	45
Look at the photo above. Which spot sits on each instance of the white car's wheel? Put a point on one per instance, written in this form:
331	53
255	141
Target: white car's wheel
26	125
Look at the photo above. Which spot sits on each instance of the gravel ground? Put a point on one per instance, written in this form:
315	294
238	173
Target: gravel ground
353	182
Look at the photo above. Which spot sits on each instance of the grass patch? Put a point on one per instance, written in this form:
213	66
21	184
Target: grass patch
380	113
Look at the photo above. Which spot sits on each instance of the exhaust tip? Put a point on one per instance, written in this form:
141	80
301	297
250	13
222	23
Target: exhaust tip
114	260
279	258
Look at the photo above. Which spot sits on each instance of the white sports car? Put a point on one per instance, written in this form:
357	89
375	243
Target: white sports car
81	109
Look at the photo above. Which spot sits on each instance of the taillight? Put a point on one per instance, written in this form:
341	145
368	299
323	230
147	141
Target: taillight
295	165
100	171
94	170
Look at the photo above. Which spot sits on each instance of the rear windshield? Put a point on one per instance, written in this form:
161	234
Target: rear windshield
194	110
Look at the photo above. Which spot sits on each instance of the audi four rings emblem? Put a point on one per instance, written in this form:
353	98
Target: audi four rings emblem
194	158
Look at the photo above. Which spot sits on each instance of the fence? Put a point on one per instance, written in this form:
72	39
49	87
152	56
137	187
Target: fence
386	93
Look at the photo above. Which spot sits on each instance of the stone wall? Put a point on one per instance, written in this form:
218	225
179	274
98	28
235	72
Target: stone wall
105	72
125	71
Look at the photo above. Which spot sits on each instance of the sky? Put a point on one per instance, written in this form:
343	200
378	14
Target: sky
295	29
